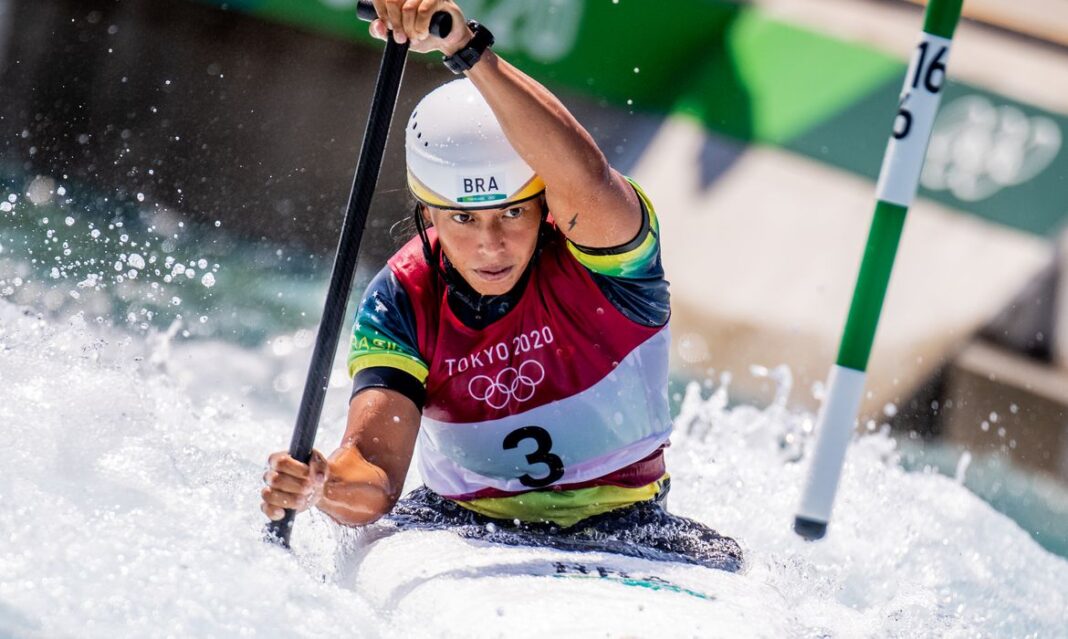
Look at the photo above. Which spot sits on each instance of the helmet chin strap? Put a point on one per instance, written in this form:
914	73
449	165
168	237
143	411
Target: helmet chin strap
428	253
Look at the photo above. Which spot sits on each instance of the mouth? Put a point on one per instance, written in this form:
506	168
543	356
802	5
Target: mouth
494	274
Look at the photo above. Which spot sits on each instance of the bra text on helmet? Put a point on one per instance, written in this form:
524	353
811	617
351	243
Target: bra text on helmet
480	185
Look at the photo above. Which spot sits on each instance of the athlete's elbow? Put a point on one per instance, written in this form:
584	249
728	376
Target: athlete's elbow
351	519
357	505
354	516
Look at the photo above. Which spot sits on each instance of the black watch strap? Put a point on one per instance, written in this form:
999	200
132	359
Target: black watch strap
466	57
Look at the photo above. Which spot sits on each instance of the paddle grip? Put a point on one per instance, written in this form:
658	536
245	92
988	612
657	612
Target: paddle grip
440	23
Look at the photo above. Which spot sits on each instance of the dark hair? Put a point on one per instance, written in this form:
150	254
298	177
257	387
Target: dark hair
405	228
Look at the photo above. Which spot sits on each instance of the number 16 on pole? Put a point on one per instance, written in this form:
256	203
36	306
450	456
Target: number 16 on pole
898	181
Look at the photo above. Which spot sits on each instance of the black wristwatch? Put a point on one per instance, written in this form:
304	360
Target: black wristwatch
466	58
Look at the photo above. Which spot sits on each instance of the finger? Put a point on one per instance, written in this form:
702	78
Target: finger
287	483
319	467
409	12
274	514
396	20
282	499
285	464
380	9
422	20
379	30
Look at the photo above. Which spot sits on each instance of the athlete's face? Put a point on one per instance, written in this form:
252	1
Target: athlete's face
489	248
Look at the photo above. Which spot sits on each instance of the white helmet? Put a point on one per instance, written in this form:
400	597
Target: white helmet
458	156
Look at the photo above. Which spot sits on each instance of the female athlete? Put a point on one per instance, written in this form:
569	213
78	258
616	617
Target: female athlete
521	336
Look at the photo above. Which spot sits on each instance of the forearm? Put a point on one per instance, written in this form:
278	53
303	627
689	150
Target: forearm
366	473
540	127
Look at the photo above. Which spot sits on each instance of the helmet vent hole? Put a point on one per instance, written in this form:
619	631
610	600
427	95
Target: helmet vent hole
419	136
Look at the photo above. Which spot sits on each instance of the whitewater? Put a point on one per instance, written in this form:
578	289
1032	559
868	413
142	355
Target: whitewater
132	477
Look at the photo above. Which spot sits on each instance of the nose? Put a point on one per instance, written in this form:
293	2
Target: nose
491	237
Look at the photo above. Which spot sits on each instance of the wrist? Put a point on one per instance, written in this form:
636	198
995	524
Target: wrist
467	56
450	49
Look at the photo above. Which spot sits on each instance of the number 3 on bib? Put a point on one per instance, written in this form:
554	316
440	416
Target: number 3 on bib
541	455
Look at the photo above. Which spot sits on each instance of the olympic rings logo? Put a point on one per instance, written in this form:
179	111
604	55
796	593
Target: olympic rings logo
977	149
510	383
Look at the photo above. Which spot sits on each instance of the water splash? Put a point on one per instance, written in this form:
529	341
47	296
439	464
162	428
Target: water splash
134	467
127	262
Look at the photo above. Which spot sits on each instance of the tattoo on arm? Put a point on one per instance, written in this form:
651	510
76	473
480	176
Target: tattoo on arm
571	224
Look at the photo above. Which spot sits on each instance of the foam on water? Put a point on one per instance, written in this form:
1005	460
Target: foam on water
131	488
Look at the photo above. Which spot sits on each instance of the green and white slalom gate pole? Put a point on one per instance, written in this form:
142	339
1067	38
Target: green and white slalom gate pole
898	181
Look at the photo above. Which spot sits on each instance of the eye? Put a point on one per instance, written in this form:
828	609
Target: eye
513	213
461	218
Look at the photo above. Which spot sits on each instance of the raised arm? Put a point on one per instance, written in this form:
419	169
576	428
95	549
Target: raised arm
591	202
